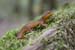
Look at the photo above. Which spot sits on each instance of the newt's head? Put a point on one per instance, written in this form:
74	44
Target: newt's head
46	16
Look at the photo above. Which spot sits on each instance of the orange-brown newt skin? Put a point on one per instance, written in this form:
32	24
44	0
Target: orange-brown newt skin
46	16
29	27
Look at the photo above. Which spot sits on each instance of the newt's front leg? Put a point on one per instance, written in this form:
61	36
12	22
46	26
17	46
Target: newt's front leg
45	25
42	23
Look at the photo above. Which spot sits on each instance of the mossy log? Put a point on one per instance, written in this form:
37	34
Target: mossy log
62	39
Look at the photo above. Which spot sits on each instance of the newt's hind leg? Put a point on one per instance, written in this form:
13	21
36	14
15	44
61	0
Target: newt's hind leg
20	36
22	32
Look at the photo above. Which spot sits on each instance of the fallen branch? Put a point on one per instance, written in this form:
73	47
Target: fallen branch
37	44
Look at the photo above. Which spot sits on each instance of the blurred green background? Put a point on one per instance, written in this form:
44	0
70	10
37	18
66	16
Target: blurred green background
16	13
